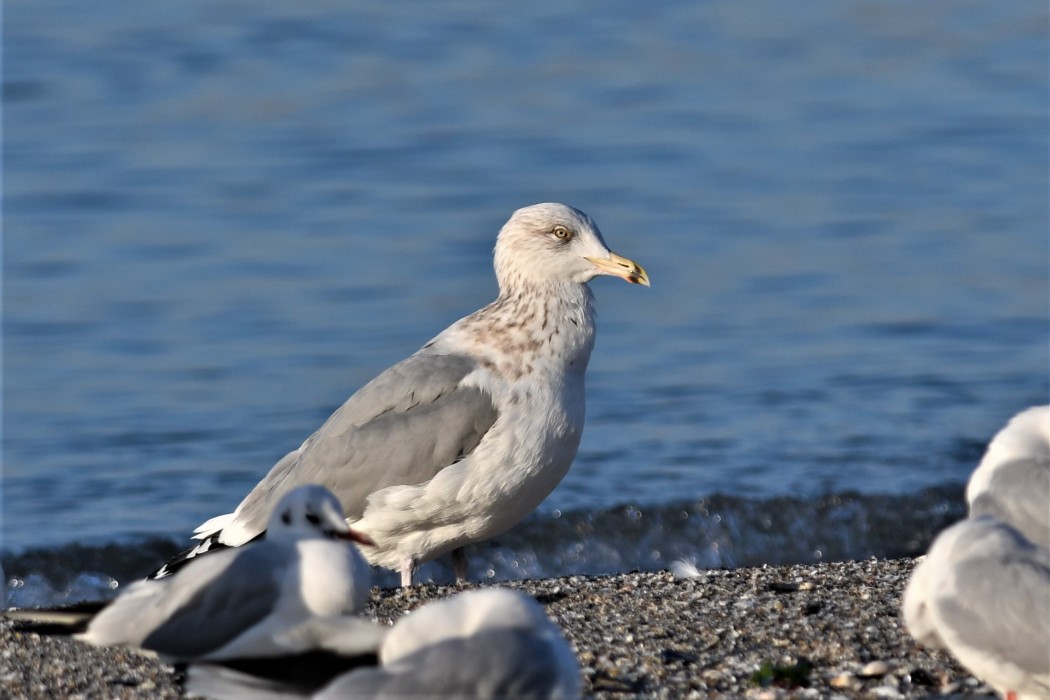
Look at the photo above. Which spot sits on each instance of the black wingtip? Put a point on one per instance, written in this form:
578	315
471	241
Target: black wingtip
206	546
177	562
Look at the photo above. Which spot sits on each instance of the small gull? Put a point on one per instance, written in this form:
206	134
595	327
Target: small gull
465	438
490	643
983	593
1012	482
257	601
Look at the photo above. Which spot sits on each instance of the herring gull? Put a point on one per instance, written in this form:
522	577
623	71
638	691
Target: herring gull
250	601
464	438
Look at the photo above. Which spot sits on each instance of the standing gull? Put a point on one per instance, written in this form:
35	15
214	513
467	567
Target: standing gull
463	439
249	602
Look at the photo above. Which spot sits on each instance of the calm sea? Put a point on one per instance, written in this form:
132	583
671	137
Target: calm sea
223	217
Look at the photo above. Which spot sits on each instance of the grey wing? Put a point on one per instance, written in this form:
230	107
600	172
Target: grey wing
148	605
403	427
1002	605
493	664
241	596
1018	493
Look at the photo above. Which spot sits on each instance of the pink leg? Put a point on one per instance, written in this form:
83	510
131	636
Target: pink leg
406	572
459	564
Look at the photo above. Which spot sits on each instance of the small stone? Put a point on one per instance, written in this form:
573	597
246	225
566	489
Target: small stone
712	676
669	656
843	680
874	669
923	677
887	691
783	587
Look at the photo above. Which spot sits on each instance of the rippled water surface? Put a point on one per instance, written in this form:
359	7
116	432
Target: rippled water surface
221	218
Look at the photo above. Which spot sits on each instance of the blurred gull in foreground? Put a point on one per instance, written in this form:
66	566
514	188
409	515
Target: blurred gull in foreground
983	593
1012	482
260	600
983	590
492	643
465	438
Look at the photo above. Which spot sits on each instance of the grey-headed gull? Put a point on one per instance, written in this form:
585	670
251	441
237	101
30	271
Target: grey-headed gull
260	600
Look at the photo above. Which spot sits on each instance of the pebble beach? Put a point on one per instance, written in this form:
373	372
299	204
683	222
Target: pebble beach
829	630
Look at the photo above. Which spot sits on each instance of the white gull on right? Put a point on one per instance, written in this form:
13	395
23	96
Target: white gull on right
983	593
983	590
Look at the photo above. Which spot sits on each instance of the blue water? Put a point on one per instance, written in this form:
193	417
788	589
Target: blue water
221	218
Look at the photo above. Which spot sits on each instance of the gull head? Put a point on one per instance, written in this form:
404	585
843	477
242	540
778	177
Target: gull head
1025	437
556	244
309	512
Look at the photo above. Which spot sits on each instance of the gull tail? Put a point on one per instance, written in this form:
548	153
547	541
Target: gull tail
210	535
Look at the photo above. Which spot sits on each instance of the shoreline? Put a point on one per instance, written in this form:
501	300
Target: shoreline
830	630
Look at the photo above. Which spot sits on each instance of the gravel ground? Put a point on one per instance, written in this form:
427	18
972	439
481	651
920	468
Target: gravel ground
809	631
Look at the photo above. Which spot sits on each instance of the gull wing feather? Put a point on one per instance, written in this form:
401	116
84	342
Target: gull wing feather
402	428
1017	493
204	618
1001	606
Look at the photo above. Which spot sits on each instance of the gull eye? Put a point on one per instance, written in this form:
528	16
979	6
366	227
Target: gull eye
562	233
313	519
